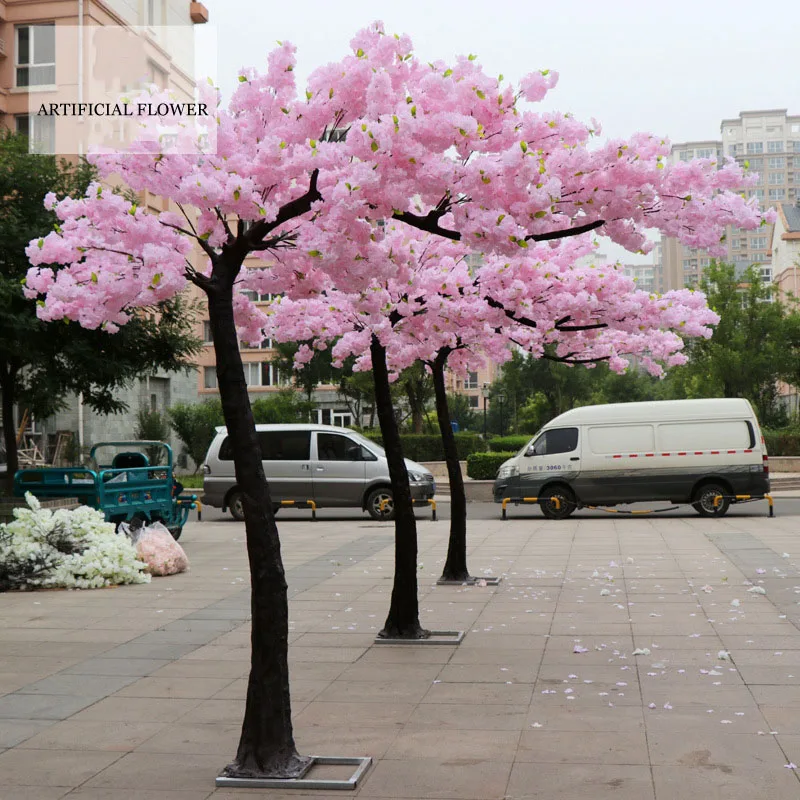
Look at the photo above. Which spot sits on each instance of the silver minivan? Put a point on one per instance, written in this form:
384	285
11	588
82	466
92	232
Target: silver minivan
334	467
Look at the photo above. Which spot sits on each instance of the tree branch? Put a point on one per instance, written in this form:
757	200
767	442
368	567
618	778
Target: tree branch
294	208
566	232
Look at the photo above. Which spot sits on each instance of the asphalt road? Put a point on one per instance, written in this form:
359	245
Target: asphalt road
789	506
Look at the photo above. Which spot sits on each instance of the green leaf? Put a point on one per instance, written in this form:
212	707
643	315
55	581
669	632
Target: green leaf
472	57
359	53
480	94
315	253
447	73
540	214
242	79
524	147
40	243
156	279
374	146
236	194
94	277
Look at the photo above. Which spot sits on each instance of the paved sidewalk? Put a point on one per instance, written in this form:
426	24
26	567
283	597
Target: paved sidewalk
137	692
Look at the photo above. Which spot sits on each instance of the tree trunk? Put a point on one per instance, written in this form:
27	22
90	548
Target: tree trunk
455	567
7	381
266	747
403	620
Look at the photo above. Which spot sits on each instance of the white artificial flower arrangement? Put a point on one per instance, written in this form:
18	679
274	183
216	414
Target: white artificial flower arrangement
71	549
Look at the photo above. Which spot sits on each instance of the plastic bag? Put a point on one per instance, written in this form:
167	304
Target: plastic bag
158	549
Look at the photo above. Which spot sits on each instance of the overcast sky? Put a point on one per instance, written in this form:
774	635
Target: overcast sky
675	69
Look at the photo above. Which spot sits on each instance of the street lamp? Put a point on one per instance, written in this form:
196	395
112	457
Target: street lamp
500	399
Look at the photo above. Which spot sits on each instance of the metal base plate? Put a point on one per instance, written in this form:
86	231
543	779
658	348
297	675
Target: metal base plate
362	764
471	581
436	637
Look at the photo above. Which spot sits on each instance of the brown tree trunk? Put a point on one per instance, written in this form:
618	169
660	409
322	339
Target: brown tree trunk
403	619
7	382
266	747
455	566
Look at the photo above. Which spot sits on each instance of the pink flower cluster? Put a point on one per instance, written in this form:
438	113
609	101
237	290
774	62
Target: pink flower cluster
436	147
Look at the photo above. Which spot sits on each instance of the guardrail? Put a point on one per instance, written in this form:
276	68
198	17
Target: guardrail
556	501
431	502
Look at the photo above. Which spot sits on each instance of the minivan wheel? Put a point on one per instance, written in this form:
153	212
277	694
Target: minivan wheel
375	500
236	506
562	509
703	500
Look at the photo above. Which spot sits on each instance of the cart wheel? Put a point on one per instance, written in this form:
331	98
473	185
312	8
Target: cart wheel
176	533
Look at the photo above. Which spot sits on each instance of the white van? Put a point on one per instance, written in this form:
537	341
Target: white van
334	467
680	451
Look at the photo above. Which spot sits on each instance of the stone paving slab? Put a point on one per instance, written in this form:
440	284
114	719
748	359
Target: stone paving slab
139	691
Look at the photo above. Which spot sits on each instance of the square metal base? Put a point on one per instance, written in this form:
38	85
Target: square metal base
436	637
362	764
471	581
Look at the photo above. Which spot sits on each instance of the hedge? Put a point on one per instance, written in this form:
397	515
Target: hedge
484	466
502	444
784	442
426	447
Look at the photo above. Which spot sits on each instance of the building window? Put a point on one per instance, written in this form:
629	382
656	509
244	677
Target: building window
207	338
686	155
758	243
36	55
776	162
210	378
755	147
252	373
41	132
472	381
796	161
776	178
755	163
473	401
777	194
775	147
759	193
153	403
271	375
705	152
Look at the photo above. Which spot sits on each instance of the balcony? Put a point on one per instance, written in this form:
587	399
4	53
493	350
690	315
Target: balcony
198	13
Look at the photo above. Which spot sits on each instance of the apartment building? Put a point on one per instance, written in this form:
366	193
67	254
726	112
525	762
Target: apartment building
766	142
52	50
785	251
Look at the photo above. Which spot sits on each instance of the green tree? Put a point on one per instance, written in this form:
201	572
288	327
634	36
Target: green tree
195	425
319	370
41	364
152	426
416	385
755	345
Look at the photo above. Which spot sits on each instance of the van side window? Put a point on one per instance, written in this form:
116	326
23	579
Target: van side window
333	447
285	445
557	440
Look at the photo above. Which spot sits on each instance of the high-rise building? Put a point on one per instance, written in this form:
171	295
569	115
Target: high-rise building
765	142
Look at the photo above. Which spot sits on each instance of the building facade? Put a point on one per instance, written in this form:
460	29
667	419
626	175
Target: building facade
34	62
785	251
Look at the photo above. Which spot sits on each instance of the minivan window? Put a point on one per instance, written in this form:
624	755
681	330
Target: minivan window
276	446
557	440
333	447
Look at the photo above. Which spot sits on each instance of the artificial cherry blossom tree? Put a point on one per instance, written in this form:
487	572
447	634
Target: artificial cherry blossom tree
442	148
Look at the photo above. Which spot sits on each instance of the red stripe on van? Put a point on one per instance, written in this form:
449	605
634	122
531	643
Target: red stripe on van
731	451
633	455
698	452
665	454
681	454
748	451
715	452
616	456
649	455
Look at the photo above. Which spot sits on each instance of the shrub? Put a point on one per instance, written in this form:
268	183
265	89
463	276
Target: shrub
484	466
427	447
782	442
502	444
195	425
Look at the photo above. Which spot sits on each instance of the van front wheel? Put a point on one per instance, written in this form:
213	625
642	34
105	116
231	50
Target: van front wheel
711	500
557	502
236	506
380	503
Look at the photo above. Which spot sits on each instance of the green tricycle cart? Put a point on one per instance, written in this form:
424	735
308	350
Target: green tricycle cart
121	482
